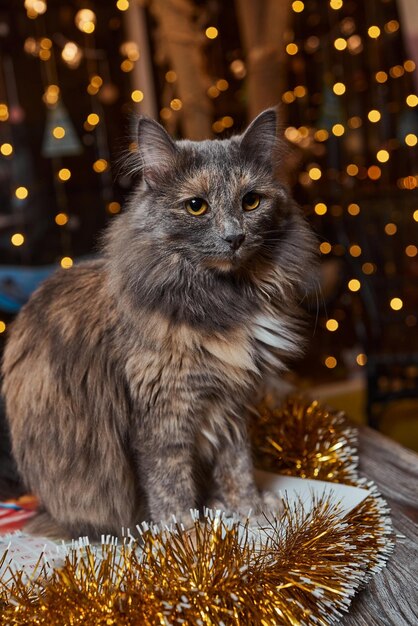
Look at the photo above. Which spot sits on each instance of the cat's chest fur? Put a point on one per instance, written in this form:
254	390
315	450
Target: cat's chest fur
204	378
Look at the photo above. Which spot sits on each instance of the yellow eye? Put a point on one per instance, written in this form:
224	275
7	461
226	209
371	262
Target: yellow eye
250	201
196	206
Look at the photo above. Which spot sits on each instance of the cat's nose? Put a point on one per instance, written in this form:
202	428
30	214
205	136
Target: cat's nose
235	240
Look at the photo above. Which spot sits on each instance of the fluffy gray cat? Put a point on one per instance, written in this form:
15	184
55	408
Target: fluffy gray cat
127	378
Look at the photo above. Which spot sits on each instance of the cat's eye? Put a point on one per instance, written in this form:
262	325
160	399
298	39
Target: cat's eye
250	201
196	206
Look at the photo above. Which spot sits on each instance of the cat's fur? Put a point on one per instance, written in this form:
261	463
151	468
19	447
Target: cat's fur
125	376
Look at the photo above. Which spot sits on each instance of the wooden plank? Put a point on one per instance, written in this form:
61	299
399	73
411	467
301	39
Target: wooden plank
391	597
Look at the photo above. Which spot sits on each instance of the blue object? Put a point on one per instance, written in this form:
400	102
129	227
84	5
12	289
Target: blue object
17	283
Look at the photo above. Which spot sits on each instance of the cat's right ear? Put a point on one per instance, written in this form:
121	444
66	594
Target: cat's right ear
156	149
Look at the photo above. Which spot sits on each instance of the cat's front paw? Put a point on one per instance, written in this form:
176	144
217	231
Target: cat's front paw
259	508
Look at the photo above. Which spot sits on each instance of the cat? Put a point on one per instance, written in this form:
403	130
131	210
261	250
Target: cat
127	378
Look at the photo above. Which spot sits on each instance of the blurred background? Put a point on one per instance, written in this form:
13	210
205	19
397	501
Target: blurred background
72	74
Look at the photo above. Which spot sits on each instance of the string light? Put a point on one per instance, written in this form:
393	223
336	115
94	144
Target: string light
374	172
392	26
373	32
355	250
325	247
354	284
381	77
113	208
85	20
137	95
61	219
353	209
4	112
409	65
412	100
320	208
300	91
51	95
222	84
314	173
397	71
411	251
332	325
71	54
66	262
330	362
64	174
238	69
176	104
368	268
292	49
361	359
374	115
122	5
35	8
352	169
213	91
21	193
17	239
391	229
211	32
411	139
336	4
100	166
340	43
93	119
354	122
171	76
338	130
58	132
321	135
339	89
396	304
2	327
415	215
297	6
382	156
6	149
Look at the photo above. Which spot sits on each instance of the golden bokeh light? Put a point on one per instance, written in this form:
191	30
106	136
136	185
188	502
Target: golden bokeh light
21	193
373	32
58	132
66	262
64	174
391	229
17	239
354	284
6	149
320	208
353	209
61	219
325	247
330	362
137	95
332	325
374	115
211	32
396	304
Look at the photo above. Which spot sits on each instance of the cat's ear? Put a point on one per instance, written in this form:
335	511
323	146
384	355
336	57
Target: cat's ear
260	138
156	149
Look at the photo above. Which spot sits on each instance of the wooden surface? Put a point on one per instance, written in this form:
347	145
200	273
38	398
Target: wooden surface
391	597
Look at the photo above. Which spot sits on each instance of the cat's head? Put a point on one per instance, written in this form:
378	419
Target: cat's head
216	203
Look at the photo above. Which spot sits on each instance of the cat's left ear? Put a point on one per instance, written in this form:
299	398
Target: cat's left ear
260	138
156	149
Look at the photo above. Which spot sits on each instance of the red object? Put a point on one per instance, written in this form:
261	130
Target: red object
15	513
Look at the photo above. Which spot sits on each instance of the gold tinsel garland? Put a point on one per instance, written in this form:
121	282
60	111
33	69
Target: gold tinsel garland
300	568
